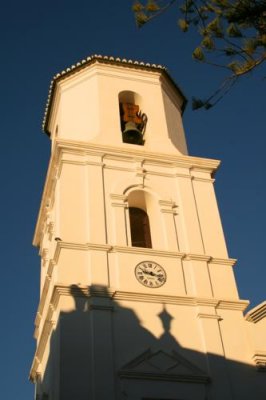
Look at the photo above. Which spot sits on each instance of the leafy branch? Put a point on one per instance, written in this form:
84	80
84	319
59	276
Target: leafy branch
233	30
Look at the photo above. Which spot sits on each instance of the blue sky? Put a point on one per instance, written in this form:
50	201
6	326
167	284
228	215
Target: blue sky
39	39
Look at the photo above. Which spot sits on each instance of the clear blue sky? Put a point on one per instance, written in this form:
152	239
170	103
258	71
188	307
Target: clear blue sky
39	39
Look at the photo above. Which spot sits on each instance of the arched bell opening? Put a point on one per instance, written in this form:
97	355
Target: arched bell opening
132	119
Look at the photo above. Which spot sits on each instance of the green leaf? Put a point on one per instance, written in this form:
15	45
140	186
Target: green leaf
250	46
187	7
215	28
183	25
152	6
141	19
137	7
233	31
208	43
198	54
234	66
263	40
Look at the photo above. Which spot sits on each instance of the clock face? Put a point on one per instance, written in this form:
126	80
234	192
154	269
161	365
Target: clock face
150	274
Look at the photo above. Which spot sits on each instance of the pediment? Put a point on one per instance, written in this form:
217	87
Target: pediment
163	366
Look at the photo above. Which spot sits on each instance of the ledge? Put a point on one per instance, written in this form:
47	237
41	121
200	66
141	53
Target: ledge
260	360
257	313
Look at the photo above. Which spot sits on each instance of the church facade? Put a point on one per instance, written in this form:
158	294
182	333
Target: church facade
138	299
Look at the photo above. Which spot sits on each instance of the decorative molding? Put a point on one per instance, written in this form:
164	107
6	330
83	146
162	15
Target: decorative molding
168	207
209	259
164	174
42	302
257	313
120	197
130	155
145	251
50	229
46	332
260	360
207	180
78	246
51	268
44	256
184	175
207	301
163	377
237	305
123	205
181	300
223	261
83	163
163	366
116	168
120	200
100	307
209	316
196	257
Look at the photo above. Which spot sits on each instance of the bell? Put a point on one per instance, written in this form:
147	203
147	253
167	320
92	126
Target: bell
132	134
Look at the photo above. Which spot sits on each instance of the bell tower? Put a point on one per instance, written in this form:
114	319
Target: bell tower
138	299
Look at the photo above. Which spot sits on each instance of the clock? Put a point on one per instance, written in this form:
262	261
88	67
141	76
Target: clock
150	274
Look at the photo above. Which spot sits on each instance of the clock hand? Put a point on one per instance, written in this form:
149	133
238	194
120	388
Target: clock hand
144	271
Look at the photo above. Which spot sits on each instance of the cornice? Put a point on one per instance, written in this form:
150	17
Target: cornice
78	246
209	259
37	360
146	251
181	300
196	257
237	305
223	261
163	377
46	196
257	313
140	155
119	62
260	360
209	316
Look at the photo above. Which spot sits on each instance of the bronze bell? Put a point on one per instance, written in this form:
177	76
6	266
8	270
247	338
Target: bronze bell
132	134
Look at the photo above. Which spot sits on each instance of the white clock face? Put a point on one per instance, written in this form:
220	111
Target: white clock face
150	274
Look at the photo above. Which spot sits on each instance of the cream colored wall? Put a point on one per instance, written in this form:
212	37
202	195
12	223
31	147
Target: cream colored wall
92	309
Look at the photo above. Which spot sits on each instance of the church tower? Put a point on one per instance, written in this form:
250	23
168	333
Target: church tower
138	299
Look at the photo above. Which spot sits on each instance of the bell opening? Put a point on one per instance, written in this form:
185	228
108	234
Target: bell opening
132	123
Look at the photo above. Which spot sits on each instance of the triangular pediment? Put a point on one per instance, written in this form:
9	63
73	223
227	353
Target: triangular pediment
163	365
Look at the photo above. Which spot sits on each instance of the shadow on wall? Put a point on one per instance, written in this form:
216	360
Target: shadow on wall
101	351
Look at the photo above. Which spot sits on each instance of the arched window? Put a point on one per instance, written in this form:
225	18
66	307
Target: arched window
139	227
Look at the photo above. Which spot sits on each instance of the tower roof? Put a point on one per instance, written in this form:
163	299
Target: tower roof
73	69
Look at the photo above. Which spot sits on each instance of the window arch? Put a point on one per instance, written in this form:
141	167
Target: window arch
139	228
